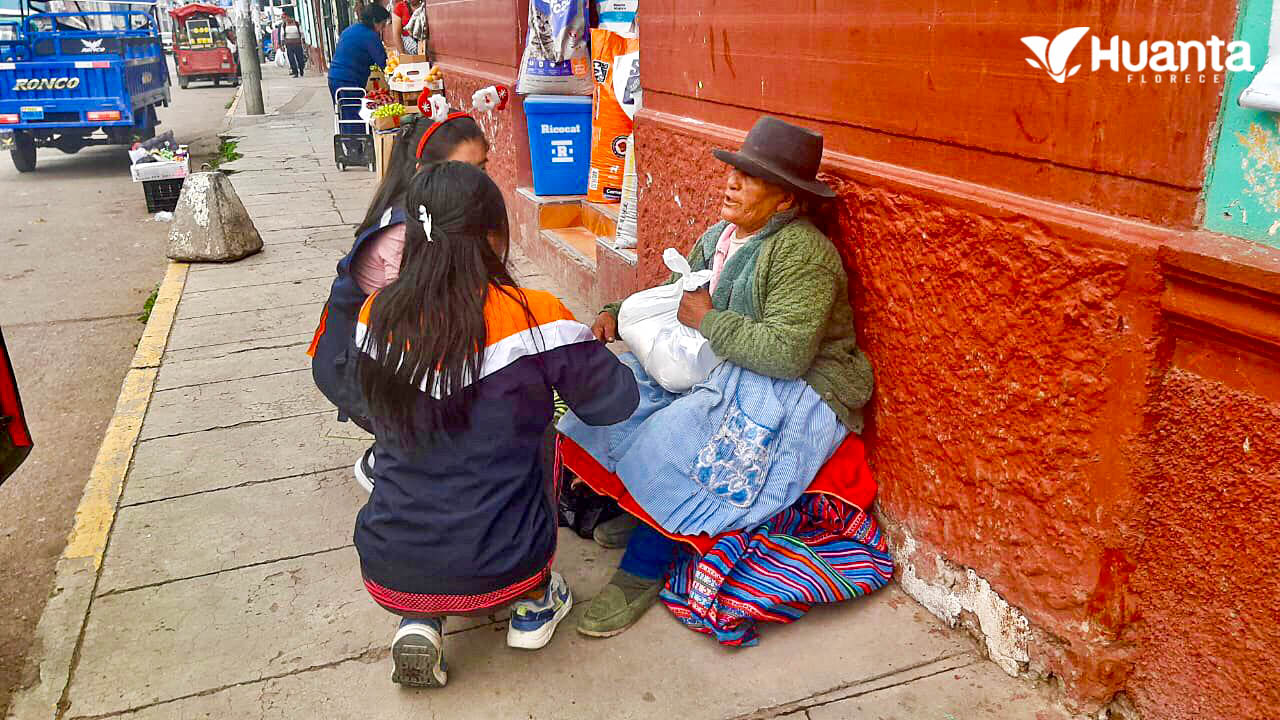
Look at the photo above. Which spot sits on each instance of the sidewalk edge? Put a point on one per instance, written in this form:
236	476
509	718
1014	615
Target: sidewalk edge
229	115
57	638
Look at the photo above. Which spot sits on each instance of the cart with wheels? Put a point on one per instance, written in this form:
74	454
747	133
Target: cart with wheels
352	136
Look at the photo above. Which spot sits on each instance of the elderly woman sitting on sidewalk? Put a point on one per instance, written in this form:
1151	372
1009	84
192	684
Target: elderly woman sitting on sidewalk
745	444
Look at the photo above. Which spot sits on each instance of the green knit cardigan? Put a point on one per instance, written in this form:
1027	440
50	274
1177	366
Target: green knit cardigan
790	317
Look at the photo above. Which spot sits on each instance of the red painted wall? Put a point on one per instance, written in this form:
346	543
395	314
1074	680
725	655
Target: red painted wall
477	44
1067	371
943	87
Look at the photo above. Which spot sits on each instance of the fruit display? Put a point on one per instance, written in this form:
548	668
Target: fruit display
394	109
378	98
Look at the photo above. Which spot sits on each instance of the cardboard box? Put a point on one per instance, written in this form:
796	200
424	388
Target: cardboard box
410	77
143	172
383	144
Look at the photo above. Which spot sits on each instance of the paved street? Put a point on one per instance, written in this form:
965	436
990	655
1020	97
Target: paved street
79	254
230	589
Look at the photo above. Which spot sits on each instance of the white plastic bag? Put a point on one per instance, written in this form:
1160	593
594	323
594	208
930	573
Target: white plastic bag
676	356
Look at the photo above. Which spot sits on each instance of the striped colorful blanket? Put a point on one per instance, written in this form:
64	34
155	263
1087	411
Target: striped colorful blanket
819	550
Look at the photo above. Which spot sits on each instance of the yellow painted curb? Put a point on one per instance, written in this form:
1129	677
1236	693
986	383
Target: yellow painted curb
97	510
235	101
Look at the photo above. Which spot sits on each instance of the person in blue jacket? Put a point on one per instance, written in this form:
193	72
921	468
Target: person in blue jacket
359	46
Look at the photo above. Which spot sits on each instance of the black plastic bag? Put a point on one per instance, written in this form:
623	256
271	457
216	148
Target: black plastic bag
581	509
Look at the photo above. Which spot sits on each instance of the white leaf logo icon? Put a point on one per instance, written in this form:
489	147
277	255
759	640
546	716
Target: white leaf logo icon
1052	56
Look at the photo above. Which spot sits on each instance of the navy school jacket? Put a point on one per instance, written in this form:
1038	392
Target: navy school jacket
472	513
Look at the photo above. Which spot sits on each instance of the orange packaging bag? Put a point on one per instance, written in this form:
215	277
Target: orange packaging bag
615	65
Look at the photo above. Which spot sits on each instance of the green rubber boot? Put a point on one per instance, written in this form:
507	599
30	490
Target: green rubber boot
615	533
622	602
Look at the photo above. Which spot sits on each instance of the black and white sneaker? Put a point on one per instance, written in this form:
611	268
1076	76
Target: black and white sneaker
417	652
364	470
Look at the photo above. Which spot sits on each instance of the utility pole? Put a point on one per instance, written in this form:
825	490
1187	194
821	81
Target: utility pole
250	69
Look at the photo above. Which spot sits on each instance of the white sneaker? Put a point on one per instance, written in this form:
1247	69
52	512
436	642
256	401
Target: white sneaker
533	622
417	652
364	470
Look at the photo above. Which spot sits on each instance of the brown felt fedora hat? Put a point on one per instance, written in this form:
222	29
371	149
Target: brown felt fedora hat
781	153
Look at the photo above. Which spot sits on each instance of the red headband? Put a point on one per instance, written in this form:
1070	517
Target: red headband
434	126
426	93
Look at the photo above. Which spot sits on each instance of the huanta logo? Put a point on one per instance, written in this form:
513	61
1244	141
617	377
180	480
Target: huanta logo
1052	56
1184	61
91	46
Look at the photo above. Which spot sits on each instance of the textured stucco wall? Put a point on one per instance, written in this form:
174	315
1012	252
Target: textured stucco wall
1026	434
1205	575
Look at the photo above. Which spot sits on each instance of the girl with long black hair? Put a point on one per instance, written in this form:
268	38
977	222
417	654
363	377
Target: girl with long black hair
458	365
375	257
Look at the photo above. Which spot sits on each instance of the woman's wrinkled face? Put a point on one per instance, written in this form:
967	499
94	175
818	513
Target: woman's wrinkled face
749	202
472	151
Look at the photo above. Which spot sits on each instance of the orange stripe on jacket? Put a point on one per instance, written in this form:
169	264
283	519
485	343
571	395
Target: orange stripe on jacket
503	316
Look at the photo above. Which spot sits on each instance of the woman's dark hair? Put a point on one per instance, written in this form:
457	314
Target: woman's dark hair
427	328
374	14
404	164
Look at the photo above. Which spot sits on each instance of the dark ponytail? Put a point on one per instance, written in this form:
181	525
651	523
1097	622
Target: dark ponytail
427	328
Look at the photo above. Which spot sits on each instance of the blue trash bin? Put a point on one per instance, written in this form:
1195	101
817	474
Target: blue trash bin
559	143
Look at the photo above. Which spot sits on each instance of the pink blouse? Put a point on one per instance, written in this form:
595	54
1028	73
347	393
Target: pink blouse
728	244
377	265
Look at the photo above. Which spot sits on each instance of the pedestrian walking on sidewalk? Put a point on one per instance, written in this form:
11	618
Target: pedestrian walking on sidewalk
292	35
359	47
374	260
458	365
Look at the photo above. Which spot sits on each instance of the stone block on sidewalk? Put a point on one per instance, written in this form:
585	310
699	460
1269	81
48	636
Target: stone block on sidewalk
210	223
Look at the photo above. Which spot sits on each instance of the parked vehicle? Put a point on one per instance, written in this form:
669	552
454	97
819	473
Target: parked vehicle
73	79
166	40
203	45
15	437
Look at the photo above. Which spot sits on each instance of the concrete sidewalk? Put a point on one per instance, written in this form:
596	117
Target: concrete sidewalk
230	589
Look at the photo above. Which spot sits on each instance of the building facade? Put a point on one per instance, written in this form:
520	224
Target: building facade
1070	291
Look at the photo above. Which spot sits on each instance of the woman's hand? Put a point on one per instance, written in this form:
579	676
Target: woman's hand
605	328
694	306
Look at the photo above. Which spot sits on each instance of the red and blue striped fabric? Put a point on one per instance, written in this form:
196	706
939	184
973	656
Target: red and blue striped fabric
819	550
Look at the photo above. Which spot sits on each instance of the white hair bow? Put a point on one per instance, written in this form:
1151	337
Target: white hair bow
425	218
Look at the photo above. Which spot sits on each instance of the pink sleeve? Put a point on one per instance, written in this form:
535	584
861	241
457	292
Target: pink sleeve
377	264
391	249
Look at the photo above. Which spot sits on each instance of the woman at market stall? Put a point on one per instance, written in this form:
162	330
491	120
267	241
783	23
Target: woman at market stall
746	443
409	37
374	259
359	47
459	365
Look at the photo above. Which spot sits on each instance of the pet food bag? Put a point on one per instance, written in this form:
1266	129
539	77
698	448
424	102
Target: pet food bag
617	15
615	65
556	56
629	210
676	356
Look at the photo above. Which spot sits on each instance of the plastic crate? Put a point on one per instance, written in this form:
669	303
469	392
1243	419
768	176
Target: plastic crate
162	194
143	172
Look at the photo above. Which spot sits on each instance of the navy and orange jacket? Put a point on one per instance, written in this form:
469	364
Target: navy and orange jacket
470	512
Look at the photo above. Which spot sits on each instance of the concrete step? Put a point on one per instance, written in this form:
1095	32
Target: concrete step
572	241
